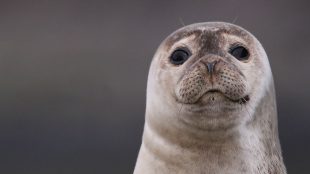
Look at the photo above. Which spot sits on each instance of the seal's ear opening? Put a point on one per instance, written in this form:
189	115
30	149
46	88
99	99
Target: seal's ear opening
179	56
239	52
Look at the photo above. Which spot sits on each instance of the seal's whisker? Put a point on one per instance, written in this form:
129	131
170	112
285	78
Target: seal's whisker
247	110
235	19
250	107
181	21
180	108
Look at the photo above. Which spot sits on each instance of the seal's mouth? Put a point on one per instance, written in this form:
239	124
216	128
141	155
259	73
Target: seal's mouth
241	100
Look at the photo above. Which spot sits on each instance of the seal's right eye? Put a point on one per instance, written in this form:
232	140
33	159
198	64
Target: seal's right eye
179	56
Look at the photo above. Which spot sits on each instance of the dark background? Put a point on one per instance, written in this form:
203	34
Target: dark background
73	77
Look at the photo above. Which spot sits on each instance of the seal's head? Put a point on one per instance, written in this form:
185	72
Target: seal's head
208	75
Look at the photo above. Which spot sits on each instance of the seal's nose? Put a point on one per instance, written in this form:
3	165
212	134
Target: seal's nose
210	66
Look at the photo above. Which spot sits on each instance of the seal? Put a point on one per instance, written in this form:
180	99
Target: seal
211	105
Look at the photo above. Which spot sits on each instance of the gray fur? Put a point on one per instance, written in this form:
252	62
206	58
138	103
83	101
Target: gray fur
189	131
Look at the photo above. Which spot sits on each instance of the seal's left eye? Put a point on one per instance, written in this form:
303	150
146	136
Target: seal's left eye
240	53
179	56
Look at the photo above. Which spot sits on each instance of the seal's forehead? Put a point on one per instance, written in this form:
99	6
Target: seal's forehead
208	28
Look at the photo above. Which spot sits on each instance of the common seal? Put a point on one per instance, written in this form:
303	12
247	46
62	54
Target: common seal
211	105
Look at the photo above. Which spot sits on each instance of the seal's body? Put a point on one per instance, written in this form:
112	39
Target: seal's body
210	105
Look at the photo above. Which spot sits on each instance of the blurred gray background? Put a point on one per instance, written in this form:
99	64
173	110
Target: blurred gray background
73	77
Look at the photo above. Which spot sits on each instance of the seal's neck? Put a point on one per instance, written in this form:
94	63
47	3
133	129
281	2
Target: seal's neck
236	152
243	150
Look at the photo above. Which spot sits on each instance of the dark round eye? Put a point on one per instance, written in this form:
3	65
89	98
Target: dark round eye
179	56
240	53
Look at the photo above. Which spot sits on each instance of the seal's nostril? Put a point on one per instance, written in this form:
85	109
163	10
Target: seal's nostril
210	66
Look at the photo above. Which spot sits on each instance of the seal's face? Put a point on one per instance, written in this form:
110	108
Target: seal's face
207	73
